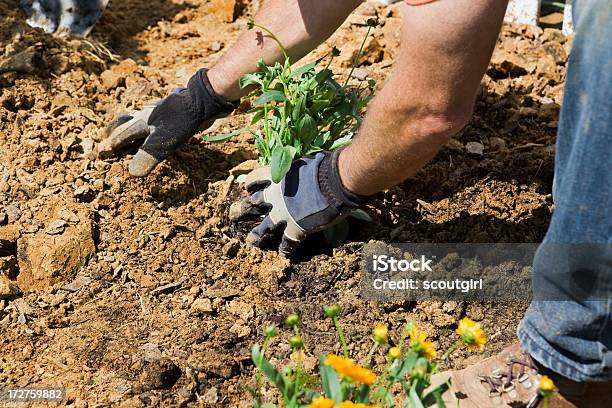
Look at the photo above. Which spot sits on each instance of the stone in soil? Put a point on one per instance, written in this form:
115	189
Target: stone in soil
45	260
7	288
227	10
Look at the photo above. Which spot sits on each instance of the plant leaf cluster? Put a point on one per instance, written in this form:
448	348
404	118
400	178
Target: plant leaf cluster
301	111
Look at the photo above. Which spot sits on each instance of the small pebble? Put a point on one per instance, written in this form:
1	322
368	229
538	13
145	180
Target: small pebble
56	227
474	148
360	74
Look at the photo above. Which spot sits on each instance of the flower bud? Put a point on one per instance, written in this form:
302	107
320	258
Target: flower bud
271	331
394	353
419	373
408	328
381	334
292	320
332	311
296	342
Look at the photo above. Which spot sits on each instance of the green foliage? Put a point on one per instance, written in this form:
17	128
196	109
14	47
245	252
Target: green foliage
300	111
341	380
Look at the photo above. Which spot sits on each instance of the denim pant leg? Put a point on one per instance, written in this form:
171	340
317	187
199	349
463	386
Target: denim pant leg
571	334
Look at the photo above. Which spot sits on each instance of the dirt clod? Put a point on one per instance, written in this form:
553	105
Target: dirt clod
7	288
56	254
202	306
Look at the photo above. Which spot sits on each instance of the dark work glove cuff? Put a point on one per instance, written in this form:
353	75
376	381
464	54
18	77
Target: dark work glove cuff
331	185
207	103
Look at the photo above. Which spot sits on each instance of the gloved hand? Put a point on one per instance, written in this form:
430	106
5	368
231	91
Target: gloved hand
308	199
167	124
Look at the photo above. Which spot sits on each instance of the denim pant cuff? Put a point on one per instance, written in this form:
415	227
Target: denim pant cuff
545	354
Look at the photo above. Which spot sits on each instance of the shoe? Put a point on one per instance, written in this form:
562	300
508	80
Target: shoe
511	379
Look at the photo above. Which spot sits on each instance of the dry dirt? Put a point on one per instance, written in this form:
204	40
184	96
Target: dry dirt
139	293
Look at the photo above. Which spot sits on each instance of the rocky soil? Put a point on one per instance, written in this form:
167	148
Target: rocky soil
140	293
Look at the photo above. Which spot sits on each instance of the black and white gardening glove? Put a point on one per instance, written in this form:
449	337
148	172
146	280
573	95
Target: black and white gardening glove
166	124
309	199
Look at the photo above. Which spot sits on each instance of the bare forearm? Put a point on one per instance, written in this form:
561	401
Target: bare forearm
301	25
446	47
394	143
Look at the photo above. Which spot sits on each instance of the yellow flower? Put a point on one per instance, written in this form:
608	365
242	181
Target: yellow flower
394	353
321	402
419	343
471	334
381	333
349	404
347	368
547	386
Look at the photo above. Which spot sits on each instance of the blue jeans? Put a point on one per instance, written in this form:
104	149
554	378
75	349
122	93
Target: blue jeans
572	334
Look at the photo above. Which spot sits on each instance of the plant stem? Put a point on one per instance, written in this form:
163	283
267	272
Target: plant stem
358	57
402	341
267	133
330	62
373	349
341	335
298	369
275	38
450	350
258	377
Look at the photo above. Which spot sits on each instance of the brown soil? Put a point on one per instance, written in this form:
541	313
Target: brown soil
139	292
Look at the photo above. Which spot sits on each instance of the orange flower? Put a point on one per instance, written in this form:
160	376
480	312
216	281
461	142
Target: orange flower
349	404
347	368
321	402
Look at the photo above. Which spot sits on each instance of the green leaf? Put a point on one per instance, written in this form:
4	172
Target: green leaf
282	157
337	233
226	136
321	139
414	397
307	129
363	394
330	381
259	115
319	105
384	396
270	371
323	76
359	214
406	365
298	109
341	142
270	96
251	79
302	70
435	396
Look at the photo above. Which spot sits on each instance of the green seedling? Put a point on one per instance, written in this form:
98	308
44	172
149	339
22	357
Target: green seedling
301	111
